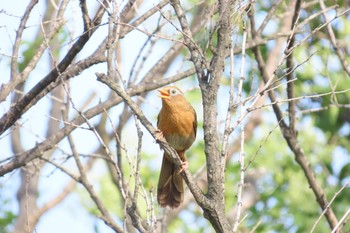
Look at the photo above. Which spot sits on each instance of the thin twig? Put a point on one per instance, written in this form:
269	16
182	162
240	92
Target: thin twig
268	17
197	56
301	98
342	222
16	45
131	210
347	183
338	51
260	146
242	153
317	29
227	131
151	34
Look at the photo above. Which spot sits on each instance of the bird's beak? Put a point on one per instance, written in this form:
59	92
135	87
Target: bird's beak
163	94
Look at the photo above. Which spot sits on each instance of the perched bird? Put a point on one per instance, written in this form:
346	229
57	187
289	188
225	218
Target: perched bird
177	122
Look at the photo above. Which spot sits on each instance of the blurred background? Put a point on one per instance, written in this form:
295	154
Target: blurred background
76	119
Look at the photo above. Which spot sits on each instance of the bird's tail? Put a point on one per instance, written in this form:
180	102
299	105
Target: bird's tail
170	185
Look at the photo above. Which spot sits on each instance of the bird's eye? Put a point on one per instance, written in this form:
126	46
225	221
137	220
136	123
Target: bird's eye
173	91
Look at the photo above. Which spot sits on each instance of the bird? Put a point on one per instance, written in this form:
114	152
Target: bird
177	123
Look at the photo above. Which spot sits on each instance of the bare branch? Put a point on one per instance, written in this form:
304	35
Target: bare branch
15	79
86	18
290	66
144	17
196	54
241	153
337	227
338	51
268	17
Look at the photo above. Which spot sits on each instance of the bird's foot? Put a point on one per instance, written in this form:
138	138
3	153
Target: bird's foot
183	167
159	136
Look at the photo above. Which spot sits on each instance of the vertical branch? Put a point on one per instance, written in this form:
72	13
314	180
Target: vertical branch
196	54
290	66
209	84
16	45
112	40
241	78
228	130
85	13
242	153
138	161
104	146
31	174
334	42
209	87
117	175
131	209
15	79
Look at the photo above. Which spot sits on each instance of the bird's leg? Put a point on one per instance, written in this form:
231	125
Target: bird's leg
184	164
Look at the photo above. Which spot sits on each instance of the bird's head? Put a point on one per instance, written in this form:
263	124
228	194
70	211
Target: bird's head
171	95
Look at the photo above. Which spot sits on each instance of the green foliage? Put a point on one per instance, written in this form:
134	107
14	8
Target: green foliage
32	47
7	217
28	53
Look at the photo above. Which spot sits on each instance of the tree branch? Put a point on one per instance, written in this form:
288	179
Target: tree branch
15	79
333	39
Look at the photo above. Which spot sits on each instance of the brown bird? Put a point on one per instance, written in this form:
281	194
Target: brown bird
177	122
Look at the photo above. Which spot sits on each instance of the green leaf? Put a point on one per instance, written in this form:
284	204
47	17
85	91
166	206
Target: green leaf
344	172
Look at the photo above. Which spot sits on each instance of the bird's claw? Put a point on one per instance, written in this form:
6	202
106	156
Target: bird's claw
183	167
159	136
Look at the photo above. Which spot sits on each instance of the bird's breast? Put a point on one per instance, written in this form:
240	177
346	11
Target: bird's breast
177	128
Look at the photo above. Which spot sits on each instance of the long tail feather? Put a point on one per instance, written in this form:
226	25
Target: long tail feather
170	185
